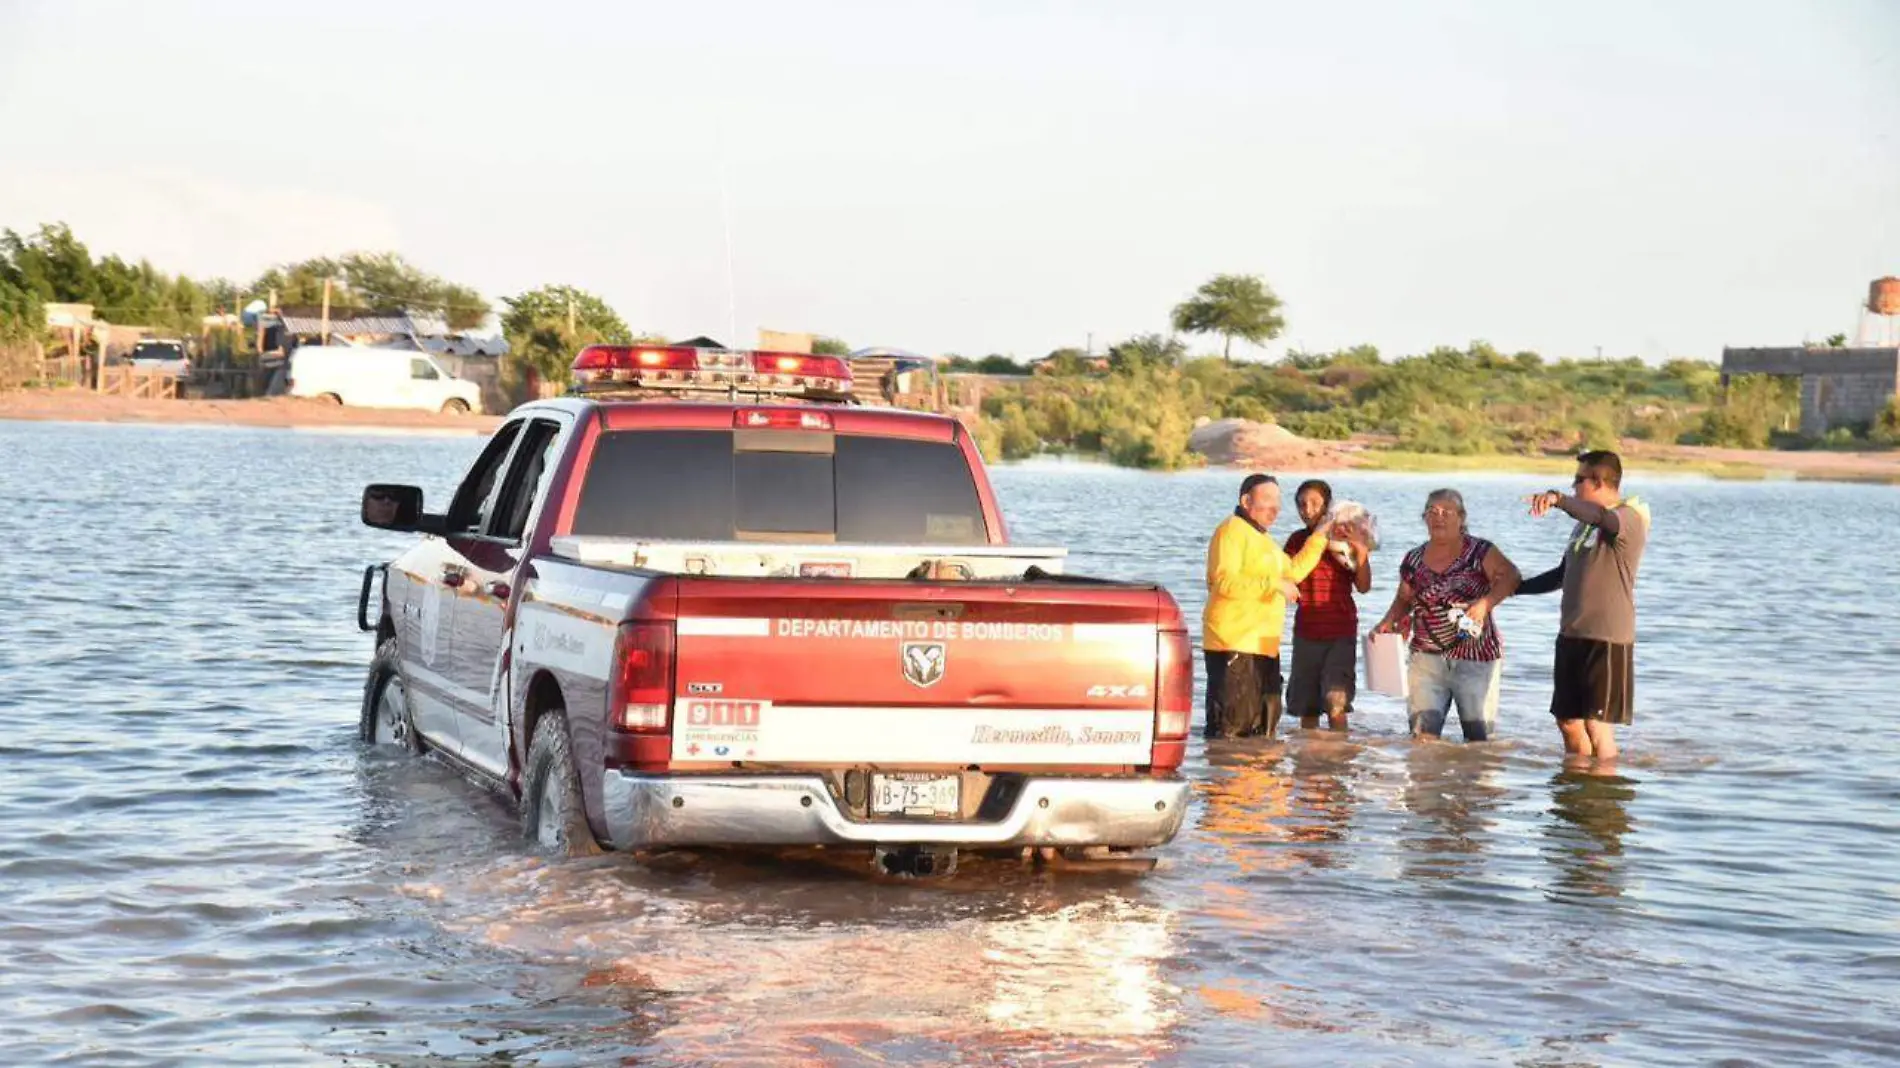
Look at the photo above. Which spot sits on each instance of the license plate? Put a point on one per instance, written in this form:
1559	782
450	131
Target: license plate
916	795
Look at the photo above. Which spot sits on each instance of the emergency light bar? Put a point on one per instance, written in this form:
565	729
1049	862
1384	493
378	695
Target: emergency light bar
602	368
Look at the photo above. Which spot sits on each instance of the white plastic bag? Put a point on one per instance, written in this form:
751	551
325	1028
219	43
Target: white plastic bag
1352	513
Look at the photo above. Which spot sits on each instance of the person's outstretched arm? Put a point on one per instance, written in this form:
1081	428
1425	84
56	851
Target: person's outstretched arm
1549	582
1604	519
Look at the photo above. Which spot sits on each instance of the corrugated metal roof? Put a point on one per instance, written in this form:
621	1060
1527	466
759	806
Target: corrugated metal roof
465	346
371	324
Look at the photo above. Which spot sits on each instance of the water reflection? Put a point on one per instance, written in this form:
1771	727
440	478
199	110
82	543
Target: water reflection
1453	789
1323	770
812	957
1585	840
1245	801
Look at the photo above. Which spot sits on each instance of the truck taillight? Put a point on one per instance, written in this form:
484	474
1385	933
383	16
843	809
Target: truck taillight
1174	685
642	697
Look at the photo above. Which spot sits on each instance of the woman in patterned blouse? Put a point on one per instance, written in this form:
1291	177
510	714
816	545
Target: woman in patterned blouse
1448	588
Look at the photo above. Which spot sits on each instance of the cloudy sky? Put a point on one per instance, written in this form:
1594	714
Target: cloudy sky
1650	178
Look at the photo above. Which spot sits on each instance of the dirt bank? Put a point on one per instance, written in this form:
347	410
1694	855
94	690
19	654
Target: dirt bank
78	405
1811	463
1267	447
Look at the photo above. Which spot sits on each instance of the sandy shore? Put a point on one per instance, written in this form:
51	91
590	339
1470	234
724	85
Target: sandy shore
87	407
1813	463
1640	457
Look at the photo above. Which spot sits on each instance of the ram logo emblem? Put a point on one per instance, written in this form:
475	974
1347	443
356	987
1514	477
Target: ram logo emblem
923	662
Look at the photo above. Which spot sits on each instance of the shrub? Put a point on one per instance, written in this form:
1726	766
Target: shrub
989	440
1323	426
1727	428
1886	428
1452	433
1019	440
1240	406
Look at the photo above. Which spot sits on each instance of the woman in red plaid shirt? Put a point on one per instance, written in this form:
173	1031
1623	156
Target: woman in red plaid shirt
1326	625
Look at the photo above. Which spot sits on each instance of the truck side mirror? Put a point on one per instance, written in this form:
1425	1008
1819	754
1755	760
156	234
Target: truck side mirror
391	507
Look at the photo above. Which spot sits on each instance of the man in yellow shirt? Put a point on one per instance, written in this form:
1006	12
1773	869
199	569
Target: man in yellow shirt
1249	578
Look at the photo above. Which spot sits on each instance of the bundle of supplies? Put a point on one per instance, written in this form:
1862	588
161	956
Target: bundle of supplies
1347	517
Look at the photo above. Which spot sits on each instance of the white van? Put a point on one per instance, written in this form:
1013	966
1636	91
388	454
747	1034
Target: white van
367	377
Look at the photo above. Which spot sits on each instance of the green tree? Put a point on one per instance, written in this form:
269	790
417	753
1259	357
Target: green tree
1837	341
53	265
536	326
301	283
392	281
22	313
1233	306
364	280
829	346
1067	362
1145	351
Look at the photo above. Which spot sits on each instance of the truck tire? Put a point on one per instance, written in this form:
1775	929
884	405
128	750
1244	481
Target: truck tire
552	816
455	406
387	718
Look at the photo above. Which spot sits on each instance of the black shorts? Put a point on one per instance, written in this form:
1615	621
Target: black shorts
1322	668
1243	694
1594	680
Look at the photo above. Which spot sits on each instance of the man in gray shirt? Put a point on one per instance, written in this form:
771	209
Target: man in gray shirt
1594	679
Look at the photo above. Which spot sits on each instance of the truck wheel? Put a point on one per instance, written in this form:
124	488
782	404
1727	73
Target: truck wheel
455	406
387	719
551	812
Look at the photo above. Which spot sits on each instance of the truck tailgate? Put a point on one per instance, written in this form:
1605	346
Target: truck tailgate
915	674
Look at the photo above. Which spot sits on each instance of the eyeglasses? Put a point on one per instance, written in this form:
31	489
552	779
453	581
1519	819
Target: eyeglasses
1441	513
1578	482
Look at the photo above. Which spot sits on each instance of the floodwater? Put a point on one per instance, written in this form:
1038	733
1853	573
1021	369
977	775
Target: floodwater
199	864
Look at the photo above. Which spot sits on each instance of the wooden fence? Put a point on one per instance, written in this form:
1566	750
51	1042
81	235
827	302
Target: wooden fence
65	371
140	383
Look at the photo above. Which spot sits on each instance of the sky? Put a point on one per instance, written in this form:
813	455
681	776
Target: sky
1635	178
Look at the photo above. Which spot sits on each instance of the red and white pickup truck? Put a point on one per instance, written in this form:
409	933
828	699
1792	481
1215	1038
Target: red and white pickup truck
770	618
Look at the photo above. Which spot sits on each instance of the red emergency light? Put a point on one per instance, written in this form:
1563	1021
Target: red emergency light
604	367
626	363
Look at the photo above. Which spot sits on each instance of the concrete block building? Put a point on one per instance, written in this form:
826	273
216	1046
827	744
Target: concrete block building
1839	387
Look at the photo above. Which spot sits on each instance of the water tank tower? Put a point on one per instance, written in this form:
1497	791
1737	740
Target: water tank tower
1880	317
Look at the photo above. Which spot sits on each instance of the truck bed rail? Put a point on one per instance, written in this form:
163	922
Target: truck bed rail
811	560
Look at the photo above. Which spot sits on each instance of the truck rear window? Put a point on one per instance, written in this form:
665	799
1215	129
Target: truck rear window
707	485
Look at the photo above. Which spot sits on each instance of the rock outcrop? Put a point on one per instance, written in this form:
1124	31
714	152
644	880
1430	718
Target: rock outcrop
1266	447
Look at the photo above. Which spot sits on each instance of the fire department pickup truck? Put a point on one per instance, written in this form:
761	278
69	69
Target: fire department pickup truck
706	600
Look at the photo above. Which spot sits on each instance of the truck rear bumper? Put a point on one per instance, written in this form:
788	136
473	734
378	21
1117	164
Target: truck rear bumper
764	810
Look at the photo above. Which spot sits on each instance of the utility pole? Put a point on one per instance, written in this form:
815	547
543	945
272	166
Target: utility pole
326	312
1088	347
570	315
271	307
